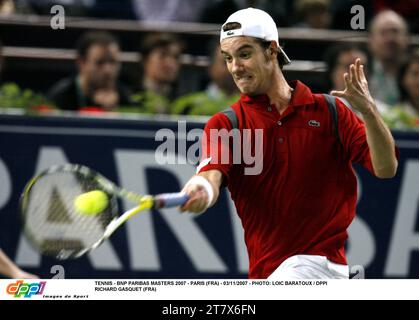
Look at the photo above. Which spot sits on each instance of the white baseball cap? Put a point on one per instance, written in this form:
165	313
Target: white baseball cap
255	23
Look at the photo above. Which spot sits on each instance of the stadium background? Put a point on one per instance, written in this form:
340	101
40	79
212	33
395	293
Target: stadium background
384	239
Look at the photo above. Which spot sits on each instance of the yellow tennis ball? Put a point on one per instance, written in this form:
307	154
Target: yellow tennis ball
92	202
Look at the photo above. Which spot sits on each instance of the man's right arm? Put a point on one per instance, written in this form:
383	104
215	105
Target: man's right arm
204	187
203	190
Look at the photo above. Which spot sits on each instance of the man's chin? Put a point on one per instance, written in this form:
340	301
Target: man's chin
248	92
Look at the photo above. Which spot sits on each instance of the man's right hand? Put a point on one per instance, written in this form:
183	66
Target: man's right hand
198	199
203	191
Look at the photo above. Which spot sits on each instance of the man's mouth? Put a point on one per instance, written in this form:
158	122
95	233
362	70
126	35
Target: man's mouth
244	78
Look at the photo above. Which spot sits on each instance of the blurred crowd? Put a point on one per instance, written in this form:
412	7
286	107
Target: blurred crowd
334	14
95	86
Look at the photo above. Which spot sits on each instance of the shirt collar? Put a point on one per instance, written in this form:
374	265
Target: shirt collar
301	95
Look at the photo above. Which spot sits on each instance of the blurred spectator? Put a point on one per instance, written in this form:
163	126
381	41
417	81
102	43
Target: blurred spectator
388	41
168	10
405	114
96	84
7	7
338	59
11	270
408	82
220	93
160	67
315	14
11	7
409	9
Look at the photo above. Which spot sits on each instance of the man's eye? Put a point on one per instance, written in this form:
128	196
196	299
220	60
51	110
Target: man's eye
227	59
245	55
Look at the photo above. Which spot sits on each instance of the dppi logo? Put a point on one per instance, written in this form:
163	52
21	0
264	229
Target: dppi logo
27	290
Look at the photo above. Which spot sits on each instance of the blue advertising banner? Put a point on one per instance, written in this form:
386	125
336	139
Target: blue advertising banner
383	241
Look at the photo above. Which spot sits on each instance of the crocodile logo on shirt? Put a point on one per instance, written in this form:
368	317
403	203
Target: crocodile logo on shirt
314	123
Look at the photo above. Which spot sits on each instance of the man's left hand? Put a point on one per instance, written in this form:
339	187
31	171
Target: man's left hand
356	90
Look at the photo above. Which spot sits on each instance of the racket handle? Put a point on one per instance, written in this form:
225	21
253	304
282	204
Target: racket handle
168	200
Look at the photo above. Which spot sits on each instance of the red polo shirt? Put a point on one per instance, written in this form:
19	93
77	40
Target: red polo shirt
304	198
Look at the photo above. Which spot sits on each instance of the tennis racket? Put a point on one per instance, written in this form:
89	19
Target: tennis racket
56	228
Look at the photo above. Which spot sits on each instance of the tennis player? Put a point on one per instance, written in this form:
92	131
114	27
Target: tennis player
11	270
296	211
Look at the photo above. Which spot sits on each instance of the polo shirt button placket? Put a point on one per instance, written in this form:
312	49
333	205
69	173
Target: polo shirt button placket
280	139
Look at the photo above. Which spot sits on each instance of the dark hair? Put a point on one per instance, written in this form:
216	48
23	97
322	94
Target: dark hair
387	11
91	38
158	40
333	53
407	62
265	46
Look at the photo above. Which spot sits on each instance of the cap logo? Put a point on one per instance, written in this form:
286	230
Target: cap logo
229	33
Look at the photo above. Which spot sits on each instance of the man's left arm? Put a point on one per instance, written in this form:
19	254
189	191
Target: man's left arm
379	138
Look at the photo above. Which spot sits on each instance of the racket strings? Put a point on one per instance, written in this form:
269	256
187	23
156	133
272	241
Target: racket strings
51	220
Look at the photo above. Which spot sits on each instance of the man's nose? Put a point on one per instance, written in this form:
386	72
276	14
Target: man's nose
236	65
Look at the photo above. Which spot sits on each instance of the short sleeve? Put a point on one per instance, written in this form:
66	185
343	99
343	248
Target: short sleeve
216	151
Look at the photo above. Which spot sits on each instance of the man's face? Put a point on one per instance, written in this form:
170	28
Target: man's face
162	64
100	66
248	63
220	74
344	60
388	38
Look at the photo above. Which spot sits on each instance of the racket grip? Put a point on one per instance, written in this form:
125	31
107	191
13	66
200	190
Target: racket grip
168	200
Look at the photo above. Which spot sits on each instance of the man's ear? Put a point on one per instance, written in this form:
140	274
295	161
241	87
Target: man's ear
273	49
